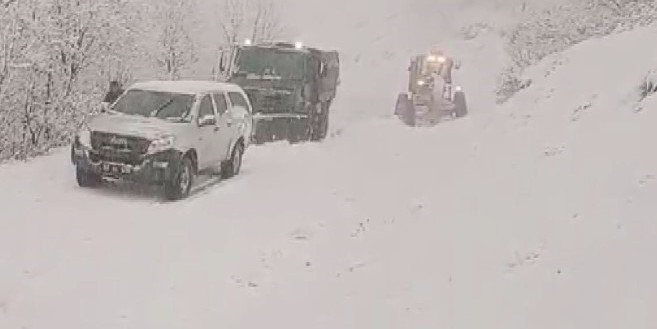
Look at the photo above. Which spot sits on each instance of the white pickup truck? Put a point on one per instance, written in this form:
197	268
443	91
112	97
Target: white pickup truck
166	133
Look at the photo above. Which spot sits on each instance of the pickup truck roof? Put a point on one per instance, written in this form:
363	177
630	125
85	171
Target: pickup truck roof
190	87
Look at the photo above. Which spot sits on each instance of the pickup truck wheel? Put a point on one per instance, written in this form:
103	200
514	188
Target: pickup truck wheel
180	185
232	167
87	178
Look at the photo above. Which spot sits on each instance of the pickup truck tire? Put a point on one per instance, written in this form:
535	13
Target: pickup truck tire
87	178
180	185
232	167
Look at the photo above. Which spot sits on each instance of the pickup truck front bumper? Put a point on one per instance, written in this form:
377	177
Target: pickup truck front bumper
151	168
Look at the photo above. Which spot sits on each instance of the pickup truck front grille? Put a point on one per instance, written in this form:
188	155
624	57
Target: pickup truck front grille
117	148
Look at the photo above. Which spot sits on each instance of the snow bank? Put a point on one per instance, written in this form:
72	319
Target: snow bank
539	217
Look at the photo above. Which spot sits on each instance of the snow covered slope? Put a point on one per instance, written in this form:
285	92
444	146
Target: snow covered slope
541	216
536	215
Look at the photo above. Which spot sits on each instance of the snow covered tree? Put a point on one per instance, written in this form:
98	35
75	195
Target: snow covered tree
258	20
55	56
233	20
541	33
266	21
175	49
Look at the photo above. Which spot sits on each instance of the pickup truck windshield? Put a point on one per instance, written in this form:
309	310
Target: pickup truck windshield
163	105
271	62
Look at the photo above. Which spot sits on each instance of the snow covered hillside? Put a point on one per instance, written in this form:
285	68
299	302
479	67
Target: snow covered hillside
538	214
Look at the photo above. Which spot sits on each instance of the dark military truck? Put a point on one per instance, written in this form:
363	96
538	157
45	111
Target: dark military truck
291	88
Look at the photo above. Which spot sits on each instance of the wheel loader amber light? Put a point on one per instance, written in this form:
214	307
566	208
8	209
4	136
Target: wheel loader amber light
298	45
248	42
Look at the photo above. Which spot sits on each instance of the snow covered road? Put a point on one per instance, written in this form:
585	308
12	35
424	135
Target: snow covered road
403	228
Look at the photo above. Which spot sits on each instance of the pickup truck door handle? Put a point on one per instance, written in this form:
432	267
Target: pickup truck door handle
216	129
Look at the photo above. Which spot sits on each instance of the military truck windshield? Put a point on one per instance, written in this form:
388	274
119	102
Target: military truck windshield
271	62
163	105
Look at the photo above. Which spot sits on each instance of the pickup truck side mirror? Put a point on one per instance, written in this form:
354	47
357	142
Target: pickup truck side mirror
208	120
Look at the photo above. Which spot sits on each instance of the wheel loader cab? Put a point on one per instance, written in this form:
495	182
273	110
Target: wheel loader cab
430	97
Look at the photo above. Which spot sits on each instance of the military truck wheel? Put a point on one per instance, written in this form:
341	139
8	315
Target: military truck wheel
180	185
86	178
320	123
460	105
323	124
232	167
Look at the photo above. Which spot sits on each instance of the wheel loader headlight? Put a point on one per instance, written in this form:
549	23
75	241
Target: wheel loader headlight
421	83
248	42
432	58
441	59
458	88
161	144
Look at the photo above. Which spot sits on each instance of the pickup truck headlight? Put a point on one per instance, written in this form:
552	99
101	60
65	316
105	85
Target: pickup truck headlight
84	137
161	144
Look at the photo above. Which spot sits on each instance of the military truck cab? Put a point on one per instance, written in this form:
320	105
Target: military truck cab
291	88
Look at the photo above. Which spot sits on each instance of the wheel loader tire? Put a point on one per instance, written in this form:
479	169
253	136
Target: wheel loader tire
405	110
460	105
402	104
410	116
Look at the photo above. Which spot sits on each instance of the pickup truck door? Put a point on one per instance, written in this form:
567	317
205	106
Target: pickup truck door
225	124
241	112
208	132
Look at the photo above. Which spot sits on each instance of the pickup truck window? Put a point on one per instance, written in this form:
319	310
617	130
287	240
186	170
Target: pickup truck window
206	107
161	105
220	100
238	100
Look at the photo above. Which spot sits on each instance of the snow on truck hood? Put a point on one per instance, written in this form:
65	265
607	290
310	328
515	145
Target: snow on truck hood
134	125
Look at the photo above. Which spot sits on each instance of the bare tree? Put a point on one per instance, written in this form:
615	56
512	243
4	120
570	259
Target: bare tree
233	20
267	23
258	20
175	50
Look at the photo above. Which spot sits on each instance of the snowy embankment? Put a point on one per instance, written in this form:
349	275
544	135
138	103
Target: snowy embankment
539	214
